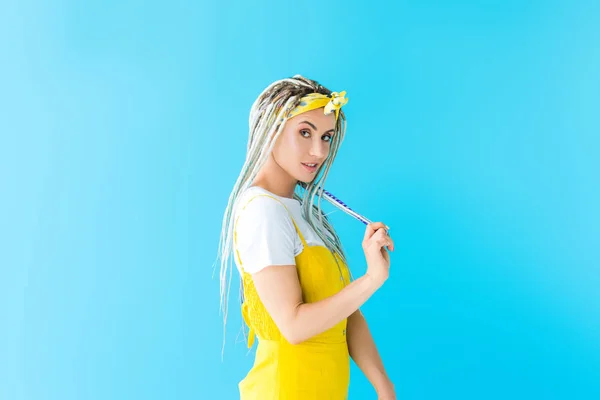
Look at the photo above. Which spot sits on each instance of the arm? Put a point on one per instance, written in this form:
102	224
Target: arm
364	353
266	238
279	290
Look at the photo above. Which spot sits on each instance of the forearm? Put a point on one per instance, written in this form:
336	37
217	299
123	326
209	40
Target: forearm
364	352
311	319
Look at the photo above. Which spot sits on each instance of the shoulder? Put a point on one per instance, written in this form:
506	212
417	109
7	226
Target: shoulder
257	205
264	232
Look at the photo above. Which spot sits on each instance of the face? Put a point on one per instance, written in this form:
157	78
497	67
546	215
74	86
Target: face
305	141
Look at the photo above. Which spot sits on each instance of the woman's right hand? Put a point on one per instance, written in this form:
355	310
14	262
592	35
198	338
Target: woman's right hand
374	246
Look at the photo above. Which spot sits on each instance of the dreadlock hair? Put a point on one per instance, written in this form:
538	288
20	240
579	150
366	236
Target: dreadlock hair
268	116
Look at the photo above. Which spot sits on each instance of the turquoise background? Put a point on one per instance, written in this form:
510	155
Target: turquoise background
473	131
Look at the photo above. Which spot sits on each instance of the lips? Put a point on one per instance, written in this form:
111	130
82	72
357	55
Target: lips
309	168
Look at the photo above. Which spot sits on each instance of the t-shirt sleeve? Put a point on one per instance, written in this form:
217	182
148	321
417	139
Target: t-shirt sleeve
265	235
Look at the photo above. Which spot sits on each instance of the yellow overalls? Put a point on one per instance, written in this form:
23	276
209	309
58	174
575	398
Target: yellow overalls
317	369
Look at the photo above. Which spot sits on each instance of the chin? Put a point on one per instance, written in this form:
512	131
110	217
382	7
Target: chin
305	179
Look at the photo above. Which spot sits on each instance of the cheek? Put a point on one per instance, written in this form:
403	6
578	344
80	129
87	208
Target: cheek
287	150
292	146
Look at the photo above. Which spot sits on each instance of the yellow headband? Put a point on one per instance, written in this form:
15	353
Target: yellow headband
317	100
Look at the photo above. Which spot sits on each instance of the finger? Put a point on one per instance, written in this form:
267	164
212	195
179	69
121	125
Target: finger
387	228
369	231
382	239
385	254
372	228
382	232
378	236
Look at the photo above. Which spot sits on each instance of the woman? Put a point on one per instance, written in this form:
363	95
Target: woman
298	298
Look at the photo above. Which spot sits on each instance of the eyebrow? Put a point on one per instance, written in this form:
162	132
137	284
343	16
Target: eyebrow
315	128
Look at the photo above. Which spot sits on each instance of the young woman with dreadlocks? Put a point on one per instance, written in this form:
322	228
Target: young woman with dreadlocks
298	296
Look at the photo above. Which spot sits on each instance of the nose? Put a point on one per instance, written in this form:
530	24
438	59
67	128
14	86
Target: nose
319	149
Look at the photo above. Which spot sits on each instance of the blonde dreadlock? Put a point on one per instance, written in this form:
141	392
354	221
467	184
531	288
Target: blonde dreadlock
266	122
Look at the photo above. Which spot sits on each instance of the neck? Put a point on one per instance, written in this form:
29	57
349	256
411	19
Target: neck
275	179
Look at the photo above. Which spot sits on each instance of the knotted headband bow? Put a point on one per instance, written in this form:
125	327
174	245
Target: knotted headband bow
317	100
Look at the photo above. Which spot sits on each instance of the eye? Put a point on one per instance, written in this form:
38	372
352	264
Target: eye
305	130
328	136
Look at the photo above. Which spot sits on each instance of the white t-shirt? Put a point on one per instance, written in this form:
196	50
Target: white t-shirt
265	232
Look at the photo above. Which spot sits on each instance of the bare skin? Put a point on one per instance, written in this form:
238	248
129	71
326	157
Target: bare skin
306	139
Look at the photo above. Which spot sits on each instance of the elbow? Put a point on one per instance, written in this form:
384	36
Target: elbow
293	329
292	337
294	341
293	334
